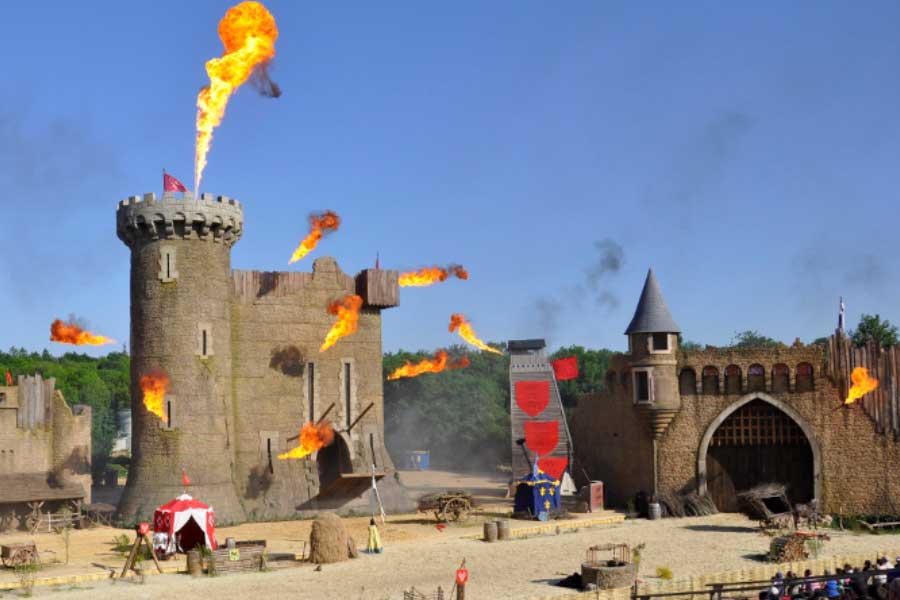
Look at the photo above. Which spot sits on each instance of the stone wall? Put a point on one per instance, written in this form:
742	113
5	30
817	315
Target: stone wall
277	332
855	462
59	449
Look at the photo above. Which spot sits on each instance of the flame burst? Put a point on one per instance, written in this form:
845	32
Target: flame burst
312	437
862	385
71	333
318	225
155	384
248	32
347	311
431	275
458	322
439	363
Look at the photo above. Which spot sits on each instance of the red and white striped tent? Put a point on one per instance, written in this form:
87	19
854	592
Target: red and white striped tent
193	521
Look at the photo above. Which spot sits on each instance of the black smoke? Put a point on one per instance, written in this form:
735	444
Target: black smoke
263	83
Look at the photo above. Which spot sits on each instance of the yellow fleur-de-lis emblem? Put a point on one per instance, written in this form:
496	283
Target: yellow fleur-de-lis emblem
547	504
552	491
543	490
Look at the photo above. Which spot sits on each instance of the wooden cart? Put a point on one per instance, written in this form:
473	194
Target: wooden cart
16	555
448	506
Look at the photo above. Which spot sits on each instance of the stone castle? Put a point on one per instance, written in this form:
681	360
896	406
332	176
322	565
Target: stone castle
721	420
241	349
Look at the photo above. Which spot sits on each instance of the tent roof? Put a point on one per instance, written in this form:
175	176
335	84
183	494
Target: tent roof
182	502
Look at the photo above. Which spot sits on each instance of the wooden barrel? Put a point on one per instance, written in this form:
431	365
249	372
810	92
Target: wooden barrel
194	565
654	511
490	531
502	530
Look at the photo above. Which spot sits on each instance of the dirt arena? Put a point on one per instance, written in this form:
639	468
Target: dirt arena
418	554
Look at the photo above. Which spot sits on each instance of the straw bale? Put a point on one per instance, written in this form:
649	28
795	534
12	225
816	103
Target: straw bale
329	541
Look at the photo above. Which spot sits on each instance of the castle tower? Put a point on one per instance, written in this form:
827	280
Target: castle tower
181	324
653	341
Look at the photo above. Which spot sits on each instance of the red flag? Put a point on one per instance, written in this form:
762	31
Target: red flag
170	184
184	479
566	368
8	378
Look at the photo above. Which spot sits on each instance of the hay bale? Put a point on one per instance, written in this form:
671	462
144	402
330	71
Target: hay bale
699	506
329	541
672	505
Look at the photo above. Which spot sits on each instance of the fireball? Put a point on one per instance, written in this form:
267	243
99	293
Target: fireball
437	364
71	333
459	324
347	311
862	384
248	32
312	437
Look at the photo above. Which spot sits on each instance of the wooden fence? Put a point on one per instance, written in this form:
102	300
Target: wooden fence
883	404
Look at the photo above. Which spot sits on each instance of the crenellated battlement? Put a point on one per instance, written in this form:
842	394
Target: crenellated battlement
209	217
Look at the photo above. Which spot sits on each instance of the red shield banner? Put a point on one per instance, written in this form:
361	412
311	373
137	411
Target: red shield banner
541	436
553	466
462	576
532	396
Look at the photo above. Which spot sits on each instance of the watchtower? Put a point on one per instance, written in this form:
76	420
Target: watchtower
652	343
181	324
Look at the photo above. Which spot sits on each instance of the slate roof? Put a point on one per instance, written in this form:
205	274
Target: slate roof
652	315
520	345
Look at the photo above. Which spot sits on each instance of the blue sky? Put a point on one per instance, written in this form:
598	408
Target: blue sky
748	153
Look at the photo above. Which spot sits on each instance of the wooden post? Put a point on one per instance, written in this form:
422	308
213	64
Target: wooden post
152	553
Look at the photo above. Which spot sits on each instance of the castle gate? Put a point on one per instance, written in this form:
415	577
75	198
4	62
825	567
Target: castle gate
757	443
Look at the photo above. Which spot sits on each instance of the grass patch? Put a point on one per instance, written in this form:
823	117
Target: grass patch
664	572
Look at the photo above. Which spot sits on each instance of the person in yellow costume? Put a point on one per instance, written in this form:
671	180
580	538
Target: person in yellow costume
374	546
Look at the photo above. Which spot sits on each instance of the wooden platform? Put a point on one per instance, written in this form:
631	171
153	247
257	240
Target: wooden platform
349	484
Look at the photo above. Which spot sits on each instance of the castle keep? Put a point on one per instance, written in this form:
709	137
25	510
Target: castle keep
721	420
241	349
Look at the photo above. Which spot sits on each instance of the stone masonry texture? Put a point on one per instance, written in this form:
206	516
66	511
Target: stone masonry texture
234	409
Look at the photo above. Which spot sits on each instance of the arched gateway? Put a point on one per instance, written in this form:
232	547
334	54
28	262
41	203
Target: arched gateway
758	439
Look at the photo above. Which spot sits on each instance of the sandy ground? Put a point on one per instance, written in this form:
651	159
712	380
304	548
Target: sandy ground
419	555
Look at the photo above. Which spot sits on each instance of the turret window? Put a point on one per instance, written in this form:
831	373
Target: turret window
643	386
659	342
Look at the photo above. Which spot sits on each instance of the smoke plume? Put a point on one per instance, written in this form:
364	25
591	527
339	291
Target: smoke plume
262	81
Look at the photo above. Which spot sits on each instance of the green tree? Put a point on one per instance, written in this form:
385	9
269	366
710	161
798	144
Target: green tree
101	383
687	344
871	327
461	416
752	339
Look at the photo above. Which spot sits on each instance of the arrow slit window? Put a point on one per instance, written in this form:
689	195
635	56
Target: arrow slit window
167	266
204	340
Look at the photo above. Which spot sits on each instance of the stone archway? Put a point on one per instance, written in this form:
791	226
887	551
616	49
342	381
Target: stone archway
791	418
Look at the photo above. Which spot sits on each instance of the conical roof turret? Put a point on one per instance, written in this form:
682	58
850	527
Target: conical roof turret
652	315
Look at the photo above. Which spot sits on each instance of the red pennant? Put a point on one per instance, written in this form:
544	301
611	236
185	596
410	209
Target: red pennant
184	478
553	466
170	184
566	368
8	378
541	436
532	396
